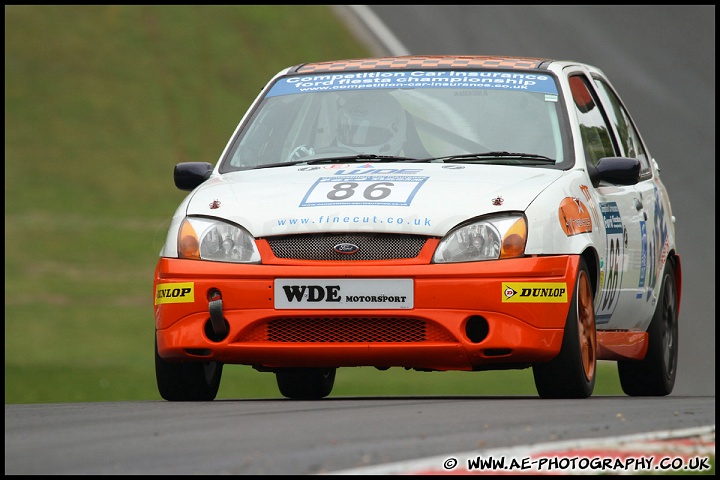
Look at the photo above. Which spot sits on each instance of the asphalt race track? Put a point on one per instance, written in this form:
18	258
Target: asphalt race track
282	437
662	61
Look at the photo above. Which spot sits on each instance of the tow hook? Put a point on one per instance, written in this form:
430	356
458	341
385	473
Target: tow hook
217	320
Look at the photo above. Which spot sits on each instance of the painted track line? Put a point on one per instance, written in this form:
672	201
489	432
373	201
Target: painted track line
674	444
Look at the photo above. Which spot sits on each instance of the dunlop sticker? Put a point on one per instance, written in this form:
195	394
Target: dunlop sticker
534	292
175	293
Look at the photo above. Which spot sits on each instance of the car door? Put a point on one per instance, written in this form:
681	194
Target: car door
621	214
654	210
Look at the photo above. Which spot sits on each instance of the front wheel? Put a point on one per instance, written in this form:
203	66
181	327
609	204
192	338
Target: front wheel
305	383
654	376
187	381
572	373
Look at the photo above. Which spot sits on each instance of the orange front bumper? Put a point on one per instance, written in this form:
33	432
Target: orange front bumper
463	316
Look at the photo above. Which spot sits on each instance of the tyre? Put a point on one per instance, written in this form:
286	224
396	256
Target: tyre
305	383
572	373
654	376
187	381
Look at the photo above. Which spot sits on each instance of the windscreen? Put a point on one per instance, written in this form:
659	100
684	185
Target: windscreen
410	114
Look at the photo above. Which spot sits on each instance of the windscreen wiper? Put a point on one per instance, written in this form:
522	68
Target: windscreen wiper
490	156
363	157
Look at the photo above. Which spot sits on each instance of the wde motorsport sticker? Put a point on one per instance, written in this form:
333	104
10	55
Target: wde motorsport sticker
534	292
175	293
334	293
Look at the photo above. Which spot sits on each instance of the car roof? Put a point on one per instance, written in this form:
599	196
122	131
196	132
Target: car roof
426	61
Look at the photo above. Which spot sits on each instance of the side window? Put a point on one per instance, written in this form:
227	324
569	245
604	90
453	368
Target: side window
596	137
629	138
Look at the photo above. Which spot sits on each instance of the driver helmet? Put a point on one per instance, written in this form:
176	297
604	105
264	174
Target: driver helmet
371	122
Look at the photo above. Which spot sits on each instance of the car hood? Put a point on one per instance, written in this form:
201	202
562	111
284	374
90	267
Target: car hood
423	199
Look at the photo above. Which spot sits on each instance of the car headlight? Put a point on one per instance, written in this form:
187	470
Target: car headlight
215	240
502	236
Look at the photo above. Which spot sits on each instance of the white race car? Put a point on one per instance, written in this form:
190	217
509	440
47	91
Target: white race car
425	212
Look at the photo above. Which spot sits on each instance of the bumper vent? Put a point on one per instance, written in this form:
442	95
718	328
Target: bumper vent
370	246
348	330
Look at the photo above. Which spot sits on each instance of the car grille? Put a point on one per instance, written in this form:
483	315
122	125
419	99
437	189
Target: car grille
371	246
347	330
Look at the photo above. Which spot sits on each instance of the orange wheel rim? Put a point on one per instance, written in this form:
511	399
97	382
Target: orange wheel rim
586	325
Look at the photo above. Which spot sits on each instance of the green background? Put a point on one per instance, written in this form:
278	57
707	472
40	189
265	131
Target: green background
100	103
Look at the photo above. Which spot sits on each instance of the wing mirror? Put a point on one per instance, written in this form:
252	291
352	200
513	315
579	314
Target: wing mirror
189	175
615	170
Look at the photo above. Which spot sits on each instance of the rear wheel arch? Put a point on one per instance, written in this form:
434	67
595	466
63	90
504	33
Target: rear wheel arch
677	268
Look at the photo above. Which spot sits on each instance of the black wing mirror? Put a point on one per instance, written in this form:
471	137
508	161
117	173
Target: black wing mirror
615	170
189	175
